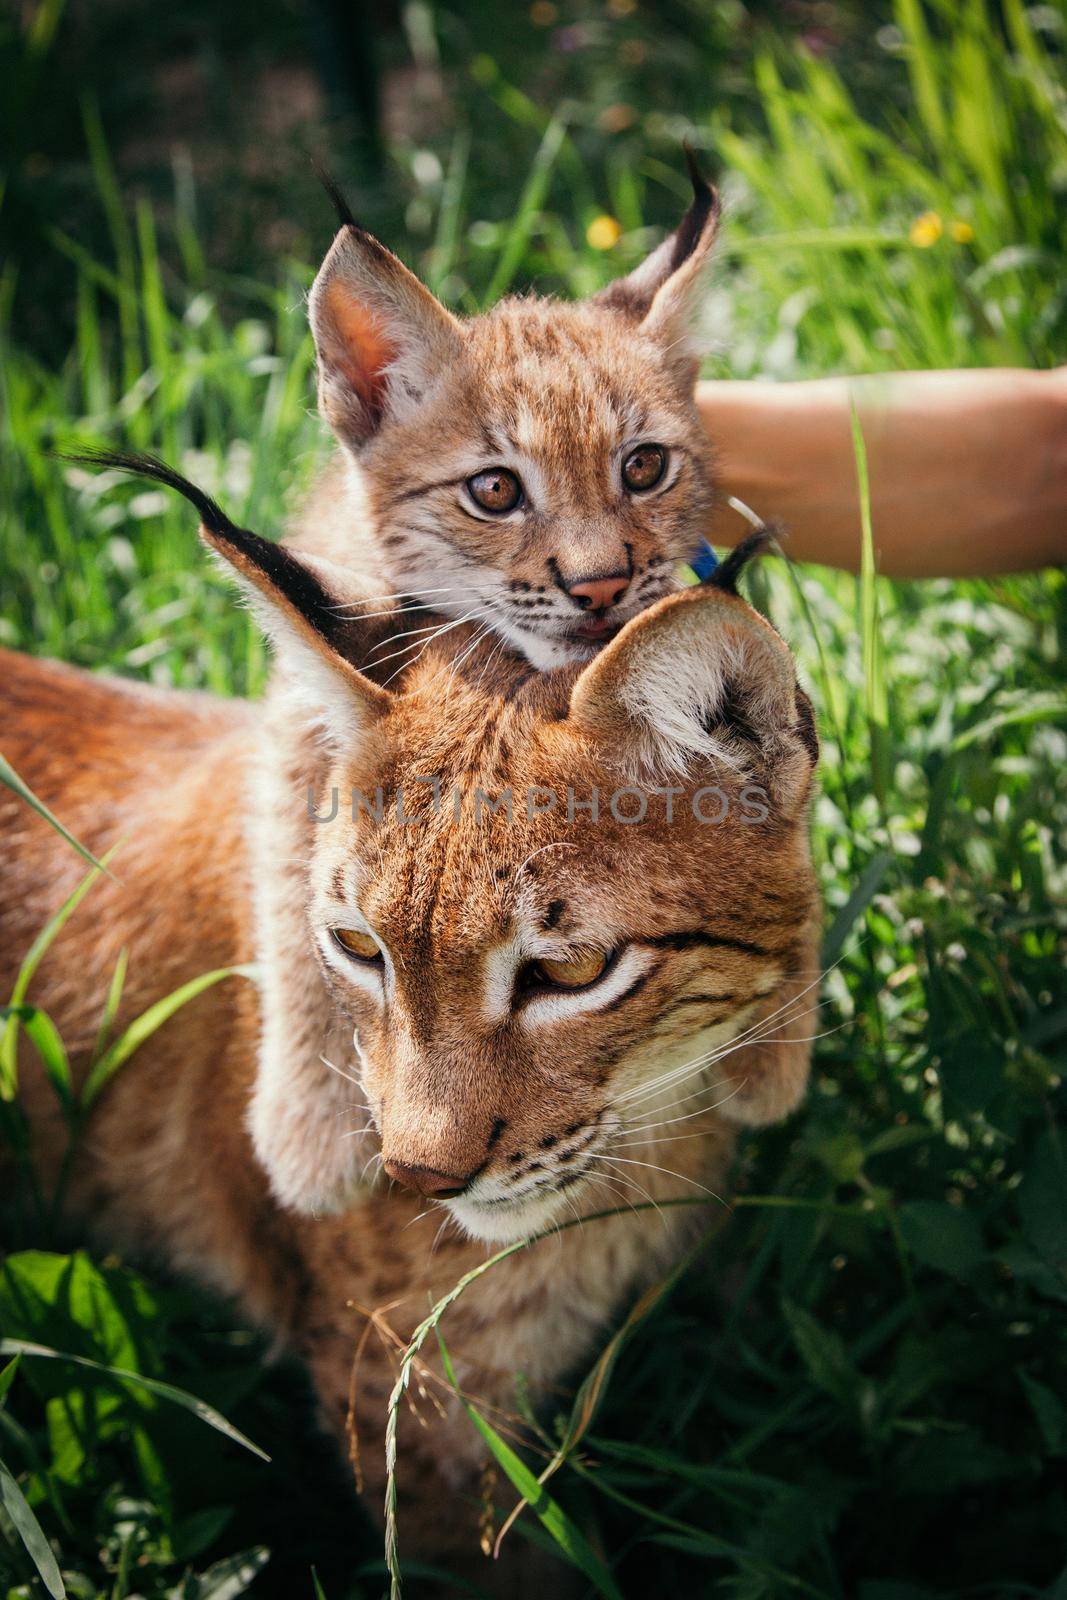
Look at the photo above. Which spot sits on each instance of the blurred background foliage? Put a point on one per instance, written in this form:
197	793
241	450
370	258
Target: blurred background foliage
861	1390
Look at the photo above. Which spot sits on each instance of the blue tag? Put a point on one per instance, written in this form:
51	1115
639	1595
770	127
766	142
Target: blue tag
704	562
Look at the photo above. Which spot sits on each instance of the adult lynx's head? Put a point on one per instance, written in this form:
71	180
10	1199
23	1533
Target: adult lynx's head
540	469
560	913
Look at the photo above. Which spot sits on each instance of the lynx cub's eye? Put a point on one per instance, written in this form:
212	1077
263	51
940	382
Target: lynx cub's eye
361	945
578	973
496	490
644	467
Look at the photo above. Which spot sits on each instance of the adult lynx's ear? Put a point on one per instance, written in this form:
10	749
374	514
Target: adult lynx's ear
380	336
661	294
303	604
701	677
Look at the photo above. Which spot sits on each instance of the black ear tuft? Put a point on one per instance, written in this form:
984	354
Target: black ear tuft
694	235
704	204
731	567
296	582
146	466
345	219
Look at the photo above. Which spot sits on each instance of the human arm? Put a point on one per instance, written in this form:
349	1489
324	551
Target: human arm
968	469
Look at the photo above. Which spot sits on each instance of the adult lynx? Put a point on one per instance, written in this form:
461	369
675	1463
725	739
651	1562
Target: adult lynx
525	996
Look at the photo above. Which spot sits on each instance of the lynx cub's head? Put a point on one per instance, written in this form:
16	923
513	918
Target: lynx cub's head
557	913
538	470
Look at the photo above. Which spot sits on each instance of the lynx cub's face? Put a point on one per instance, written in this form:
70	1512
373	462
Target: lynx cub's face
540	470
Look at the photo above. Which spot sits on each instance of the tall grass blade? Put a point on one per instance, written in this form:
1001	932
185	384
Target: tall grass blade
876	699
32	960
155	1386
111	1004
530	203
446	240
44	1036
10	777
144	1026
571	1541
922	70
867	886
31	1533
7	1378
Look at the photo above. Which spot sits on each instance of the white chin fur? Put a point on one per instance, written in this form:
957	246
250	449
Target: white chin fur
542	653
504	1224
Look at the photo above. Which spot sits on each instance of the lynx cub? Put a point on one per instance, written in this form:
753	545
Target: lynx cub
516	1000
540	469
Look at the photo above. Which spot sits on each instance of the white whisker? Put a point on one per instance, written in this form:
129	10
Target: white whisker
340	1072
712	1057
628	1161
420	644
643	1091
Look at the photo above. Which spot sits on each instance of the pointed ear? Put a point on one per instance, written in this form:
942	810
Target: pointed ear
308	608
381	338
701	677
661	294
303	603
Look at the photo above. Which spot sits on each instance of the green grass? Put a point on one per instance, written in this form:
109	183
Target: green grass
859	1392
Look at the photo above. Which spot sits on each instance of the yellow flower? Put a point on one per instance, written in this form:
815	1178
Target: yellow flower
962	232
602	233
926	230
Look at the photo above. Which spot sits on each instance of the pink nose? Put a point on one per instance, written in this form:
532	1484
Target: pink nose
599	593
427	1180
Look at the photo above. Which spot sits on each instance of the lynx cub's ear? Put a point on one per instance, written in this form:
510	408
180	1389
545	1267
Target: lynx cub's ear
381	338
304	605
661	294
700	677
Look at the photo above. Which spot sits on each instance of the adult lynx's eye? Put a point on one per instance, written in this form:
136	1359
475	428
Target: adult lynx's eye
577	973
496	490
644	467
359	944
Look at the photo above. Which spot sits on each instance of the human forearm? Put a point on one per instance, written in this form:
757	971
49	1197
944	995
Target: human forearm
968	469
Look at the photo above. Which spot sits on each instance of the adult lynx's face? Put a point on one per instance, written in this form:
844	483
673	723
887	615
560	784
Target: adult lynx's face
536	995
539	470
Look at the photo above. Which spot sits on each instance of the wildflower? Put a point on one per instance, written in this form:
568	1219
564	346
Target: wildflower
621	8
543	13
926	230
602	233
961	231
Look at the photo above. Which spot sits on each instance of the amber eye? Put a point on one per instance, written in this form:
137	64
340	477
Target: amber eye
644	467
359	944
577	973
496	490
